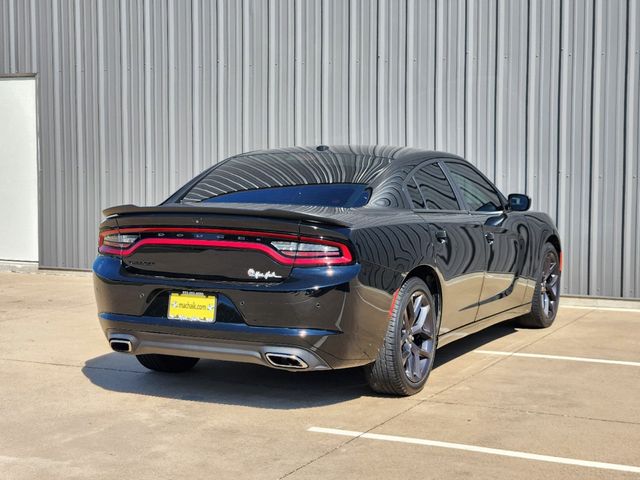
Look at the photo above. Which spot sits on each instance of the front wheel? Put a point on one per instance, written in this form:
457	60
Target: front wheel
546	297
407	354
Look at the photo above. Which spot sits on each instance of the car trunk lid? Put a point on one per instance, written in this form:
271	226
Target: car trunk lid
226	244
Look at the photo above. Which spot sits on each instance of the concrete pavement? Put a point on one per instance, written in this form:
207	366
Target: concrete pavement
72	409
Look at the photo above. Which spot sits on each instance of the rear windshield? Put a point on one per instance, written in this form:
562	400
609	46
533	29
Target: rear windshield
326	195
296	178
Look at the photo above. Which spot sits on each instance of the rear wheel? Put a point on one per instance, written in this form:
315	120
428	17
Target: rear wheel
167	363
546	297
406	357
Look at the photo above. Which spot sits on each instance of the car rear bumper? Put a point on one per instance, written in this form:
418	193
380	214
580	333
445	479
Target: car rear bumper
326	321
275	356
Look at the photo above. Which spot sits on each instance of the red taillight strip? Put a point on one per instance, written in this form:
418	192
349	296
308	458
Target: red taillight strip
344	258
223	231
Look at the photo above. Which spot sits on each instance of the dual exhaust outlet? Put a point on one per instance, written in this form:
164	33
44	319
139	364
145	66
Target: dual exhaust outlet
284	360
279	360
121	345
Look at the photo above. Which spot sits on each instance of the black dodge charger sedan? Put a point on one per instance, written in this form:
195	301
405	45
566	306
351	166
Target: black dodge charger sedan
315	258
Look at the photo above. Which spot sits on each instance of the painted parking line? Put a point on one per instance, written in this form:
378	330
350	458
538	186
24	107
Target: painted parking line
559	357
607	309
477	449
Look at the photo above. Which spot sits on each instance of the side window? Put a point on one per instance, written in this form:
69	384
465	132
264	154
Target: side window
435	188
478	193
416	199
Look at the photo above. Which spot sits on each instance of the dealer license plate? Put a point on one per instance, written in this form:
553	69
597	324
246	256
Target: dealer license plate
192	306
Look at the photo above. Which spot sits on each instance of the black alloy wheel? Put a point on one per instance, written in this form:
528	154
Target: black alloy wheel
546	297
550	284
417	336
408	352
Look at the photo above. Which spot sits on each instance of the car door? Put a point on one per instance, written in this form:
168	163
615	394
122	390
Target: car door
460	253
506	234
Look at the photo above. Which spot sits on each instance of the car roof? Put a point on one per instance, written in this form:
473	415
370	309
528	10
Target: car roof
380	165
398	154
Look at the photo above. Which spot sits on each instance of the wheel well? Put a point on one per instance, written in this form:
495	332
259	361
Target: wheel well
555	241
429	276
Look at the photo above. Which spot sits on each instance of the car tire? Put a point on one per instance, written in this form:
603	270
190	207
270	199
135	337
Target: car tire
408	351
546	296
167	363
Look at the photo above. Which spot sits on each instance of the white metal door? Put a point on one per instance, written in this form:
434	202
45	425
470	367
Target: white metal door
18	170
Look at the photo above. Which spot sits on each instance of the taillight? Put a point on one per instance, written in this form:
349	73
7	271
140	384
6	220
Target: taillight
113	242
312	252
283	248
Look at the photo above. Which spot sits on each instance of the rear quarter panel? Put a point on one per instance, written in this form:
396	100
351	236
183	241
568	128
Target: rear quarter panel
388	247
542	229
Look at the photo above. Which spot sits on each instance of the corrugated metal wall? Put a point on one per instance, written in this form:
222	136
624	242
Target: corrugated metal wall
135	97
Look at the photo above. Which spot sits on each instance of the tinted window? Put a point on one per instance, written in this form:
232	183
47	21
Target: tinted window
416	199
478	193
435	188
327	195
261	171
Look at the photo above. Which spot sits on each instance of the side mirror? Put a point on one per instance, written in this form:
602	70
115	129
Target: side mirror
519	202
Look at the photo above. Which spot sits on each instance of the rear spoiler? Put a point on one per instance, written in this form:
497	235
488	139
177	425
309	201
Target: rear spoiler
310	214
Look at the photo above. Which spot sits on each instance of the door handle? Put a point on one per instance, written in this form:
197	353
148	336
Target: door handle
442	236
490	238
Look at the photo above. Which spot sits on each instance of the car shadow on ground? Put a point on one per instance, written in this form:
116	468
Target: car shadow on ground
253	385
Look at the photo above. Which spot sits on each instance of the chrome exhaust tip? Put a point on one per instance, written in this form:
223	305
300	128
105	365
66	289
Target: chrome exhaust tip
284	360
121	345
